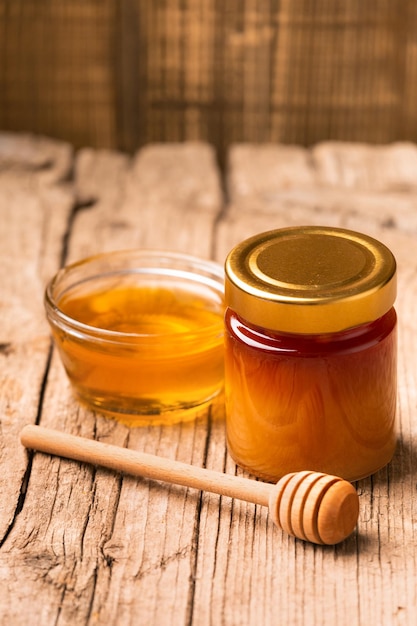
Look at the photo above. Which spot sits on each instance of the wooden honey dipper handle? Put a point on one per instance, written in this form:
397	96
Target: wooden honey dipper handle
309	505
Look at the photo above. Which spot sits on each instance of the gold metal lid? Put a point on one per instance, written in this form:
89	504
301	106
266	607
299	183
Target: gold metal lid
310	279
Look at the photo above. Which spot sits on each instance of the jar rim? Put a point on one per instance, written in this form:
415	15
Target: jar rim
310	279
186	267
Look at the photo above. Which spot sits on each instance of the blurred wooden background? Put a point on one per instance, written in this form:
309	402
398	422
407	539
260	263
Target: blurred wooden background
123	73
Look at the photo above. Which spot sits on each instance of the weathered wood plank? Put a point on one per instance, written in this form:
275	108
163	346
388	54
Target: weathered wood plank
371	190
103	548
168	197
86	546
34	212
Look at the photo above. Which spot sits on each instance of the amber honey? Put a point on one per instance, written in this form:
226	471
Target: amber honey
145	347
321	402
310	353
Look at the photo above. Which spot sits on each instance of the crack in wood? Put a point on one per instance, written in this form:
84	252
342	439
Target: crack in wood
6	348
196	534
77	207
30	454
163	563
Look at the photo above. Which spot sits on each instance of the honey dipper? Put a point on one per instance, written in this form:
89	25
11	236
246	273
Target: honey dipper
312	506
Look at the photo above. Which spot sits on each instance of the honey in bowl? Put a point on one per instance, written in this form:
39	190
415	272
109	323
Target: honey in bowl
140	335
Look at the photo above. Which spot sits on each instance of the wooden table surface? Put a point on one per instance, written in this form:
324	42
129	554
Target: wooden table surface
81	545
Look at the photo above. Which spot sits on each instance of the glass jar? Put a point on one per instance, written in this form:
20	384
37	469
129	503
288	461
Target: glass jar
310	353
140	333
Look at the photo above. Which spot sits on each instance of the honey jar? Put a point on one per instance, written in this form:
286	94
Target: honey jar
310	353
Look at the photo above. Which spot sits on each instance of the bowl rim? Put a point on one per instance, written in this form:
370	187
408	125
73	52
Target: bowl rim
57	318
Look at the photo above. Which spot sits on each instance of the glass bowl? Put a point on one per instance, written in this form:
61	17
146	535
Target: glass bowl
140	333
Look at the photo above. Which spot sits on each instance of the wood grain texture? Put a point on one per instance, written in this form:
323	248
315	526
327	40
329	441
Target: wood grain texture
120	75
371	190
82	545
34	209
89	545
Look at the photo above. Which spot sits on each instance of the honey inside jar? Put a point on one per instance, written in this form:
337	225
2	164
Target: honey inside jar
143	347
321	402
310	353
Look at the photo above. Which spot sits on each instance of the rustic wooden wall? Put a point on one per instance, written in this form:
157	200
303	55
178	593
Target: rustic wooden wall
122	73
